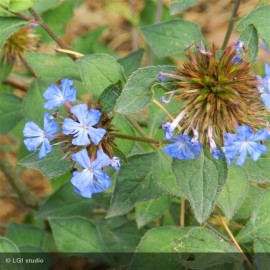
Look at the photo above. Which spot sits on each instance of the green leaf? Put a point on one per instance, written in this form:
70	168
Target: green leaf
259	170
51	68
179	5
65	202
246	209
44	5
90	42
250	37
131	62
262	253
76	234
8	26
6	68
109	97
10	112
171	37
7	246
25	235
8	250
175	243
33	102
4	3
122	126
119	234
201	181
234	191
51	166
137	92
57	19
134	184
98	71
151	210
20	5
260	19
259	224
163	174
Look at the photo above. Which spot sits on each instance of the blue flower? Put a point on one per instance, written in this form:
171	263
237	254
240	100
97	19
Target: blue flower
116	163
239	46
37	136
266	86
217	154
161	77
244	142
237	59
92	179
56	97
83	128
168	130
183	147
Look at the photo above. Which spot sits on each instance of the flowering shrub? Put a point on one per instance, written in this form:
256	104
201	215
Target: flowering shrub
162	165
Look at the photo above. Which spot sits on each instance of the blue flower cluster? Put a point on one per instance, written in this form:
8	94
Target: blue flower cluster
264	88
244	142
235	145
239	51
80	129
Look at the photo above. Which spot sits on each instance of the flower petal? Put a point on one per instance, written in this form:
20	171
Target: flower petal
96	134
242	157
54	97
82	158
244	132
101	161
256	150
80	111
31	129
179	151
266	100
267	70
45	149
69	93
33	143
82	180
102	181
71	127
262	134
93	117
81	138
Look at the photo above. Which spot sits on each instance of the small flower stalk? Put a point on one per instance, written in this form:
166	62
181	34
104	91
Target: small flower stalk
219	96
85	138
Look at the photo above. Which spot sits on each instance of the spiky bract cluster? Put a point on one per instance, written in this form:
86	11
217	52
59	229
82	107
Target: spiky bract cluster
24	40
218	92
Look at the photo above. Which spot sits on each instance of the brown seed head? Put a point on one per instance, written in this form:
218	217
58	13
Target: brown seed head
219	93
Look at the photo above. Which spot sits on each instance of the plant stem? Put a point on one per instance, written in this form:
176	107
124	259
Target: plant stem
134	33
9	196
231	23
210	227
136	126
159	11
28	67
49	31
138	139
182	213
24	193
165	111
234	241
14	84
76	54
